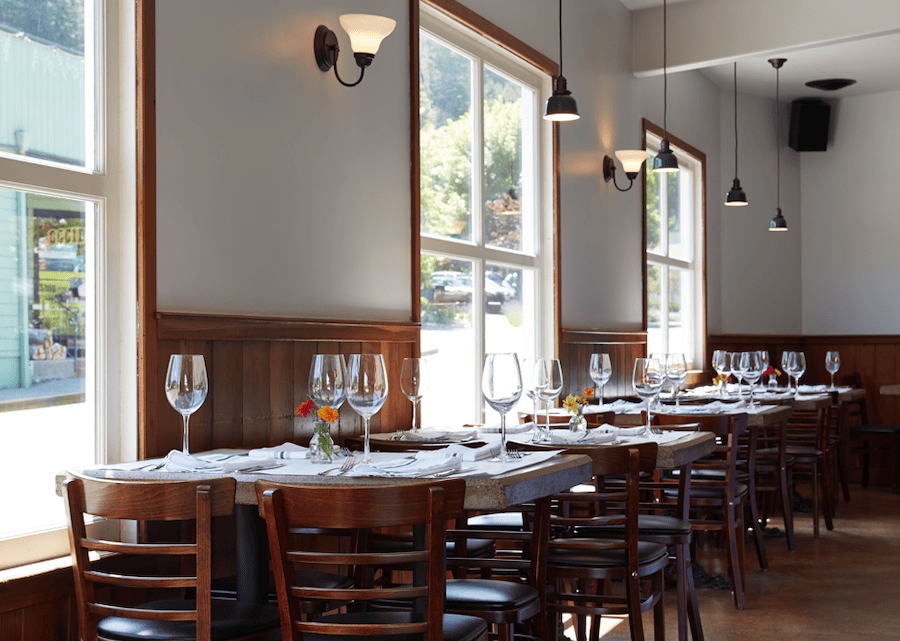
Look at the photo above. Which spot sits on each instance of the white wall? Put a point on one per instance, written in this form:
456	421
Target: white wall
851	232
759	284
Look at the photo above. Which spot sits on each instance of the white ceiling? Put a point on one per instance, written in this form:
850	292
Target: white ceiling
874	62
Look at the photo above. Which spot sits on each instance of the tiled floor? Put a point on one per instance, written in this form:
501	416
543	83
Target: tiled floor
843	586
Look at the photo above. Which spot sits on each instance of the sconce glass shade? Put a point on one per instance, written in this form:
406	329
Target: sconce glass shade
736	196
561	105
665	160
778	223
631	160
366	32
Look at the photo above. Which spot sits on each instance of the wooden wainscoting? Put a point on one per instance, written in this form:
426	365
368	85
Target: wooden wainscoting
576	347
258	370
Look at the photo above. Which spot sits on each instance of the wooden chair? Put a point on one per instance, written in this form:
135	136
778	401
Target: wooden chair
807	437
717	498
867	435
774	474
582	568
423	506
106	600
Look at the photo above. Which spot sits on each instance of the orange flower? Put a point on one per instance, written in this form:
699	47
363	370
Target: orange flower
588	392
328	414
306	408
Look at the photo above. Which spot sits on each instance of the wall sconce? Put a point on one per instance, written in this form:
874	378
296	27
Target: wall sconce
366	33
632	160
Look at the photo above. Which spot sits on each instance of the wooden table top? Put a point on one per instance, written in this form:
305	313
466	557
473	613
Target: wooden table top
482	493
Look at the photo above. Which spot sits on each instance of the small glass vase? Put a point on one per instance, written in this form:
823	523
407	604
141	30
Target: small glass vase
578	423
321	447
773	382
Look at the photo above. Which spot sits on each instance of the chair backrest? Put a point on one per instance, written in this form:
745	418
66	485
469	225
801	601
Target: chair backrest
809	428
424	506
187	501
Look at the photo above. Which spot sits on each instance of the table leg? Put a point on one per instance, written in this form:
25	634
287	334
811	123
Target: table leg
252	555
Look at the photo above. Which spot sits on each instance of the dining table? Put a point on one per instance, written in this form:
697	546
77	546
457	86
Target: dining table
489	486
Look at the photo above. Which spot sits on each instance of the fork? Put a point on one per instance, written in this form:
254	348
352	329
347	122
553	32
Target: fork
347	466
514	453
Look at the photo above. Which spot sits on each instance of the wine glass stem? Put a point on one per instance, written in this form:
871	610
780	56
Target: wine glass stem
414	428
832	380
504	456
367	455
184	441
601	393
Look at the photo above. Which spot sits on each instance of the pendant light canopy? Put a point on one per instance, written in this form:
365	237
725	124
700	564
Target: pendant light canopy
736	196
561	105
778	223
665	160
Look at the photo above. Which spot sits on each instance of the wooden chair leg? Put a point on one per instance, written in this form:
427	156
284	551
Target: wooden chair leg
735	540
681	570
787	507
828	506
757	532
693	610
633	594
659	617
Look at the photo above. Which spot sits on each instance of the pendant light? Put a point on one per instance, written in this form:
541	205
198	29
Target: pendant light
778	223
561	105
665	160
736	196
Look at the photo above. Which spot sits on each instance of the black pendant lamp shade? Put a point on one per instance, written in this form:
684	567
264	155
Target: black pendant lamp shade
736	196
665	160
561	105
778	223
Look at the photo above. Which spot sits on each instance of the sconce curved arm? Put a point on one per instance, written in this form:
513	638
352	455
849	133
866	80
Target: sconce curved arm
609	173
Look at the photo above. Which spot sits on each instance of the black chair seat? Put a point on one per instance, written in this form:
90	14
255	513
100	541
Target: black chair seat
229	621
481	594
475	548
648	525
799	452
716	492
505	521
647	553
875	429
226	588
457	627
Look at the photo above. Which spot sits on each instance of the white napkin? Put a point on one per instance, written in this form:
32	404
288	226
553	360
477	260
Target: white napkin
429	434
566	436
469	454
429	463
180	462
812	389
621	405
511	428
284	451
716	407
619	431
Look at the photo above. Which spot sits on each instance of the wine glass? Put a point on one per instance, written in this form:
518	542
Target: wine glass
414	382
501	385
750	370
832	364
734	359
799	368
786	366
763	364
552	379
327	380
367	390
186	387
648	378
720	364
601	371
533	380
676	372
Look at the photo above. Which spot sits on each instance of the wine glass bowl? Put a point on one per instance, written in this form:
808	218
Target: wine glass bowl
551	378
647	379
750	370
786	366
799	367
533	380
501	385
720	364
367	390
676	373
327	380
832	364
186	388
601	371
414	382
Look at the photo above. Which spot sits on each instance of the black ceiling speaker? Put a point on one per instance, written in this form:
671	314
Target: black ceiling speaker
810	121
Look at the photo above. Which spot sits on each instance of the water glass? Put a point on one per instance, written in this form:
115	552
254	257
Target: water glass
414	383
676	373
832	364
601	371
799	367
532	381
186	388
720	364
734	360
552	384
367	390
501	385
786	358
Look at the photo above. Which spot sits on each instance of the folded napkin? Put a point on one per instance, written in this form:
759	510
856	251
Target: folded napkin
511	428
566	436
592	437
620	405
716	407
812	389
429	435
469	454
180	462
284	451
426	465
616	432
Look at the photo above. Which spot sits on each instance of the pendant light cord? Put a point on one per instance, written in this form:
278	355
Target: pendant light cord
560	39
735	124
665	76
777	141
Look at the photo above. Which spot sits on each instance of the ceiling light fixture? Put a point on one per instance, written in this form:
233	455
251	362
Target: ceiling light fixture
665	160
632	160
736	196
831	84
778	223
366	33
561	105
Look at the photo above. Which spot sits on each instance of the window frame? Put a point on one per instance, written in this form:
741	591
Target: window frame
107	182
546	232
695	156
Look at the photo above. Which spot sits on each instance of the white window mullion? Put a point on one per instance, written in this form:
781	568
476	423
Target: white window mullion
478	222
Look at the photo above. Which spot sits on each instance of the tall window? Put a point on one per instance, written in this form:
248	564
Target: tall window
484	200
675	254
64	232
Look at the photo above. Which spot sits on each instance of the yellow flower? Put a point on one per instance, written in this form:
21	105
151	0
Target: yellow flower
328	414
588	392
